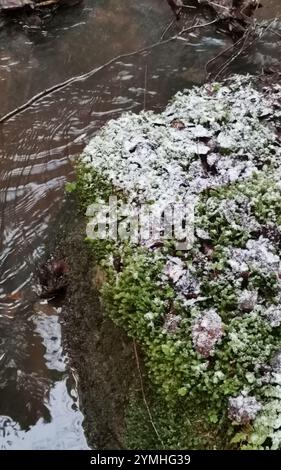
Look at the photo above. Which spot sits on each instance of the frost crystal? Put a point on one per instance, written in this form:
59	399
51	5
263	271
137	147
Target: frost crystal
243	409
276	362
202	234
206	332
248	300
259	255
150	159
273	315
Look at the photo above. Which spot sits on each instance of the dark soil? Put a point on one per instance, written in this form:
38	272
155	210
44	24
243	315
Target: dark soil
100	352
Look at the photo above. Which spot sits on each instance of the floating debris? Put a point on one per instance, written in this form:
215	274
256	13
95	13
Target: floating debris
53	277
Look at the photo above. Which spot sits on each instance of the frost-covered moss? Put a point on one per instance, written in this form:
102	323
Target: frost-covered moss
208	319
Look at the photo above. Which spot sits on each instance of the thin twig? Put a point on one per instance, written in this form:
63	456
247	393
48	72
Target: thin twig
244	47
82	77
183	39
217	5
145	88
78	78
234	57
190	6
275	32
224	51
168	28
197	26
144	397
47	3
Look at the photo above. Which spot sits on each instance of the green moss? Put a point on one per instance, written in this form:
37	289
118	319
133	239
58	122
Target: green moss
179	427
90	186
235	254
137	300
260	196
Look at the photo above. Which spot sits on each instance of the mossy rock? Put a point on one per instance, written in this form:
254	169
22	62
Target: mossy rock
208	319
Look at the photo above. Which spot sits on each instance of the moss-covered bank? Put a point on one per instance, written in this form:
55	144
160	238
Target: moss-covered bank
208	319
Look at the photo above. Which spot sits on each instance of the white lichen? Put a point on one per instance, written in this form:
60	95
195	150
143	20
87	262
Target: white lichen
273	315
243	409
151	160
247	300
174	269
258	255
207	330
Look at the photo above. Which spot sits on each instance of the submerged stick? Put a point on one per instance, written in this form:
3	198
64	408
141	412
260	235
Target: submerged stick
220	54
145	88
78	78
245	46
84	76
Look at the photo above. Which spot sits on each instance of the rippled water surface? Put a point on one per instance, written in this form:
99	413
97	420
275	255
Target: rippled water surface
39	405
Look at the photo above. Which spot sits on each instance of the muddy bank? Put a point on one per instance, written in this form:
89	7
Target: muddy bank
99	351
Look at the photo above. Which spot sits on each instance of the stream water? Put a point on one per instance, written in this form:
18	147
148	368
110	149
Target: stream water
39	402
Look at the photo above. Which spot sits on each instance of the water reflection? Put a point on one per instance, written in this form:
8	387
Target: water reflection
62	432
